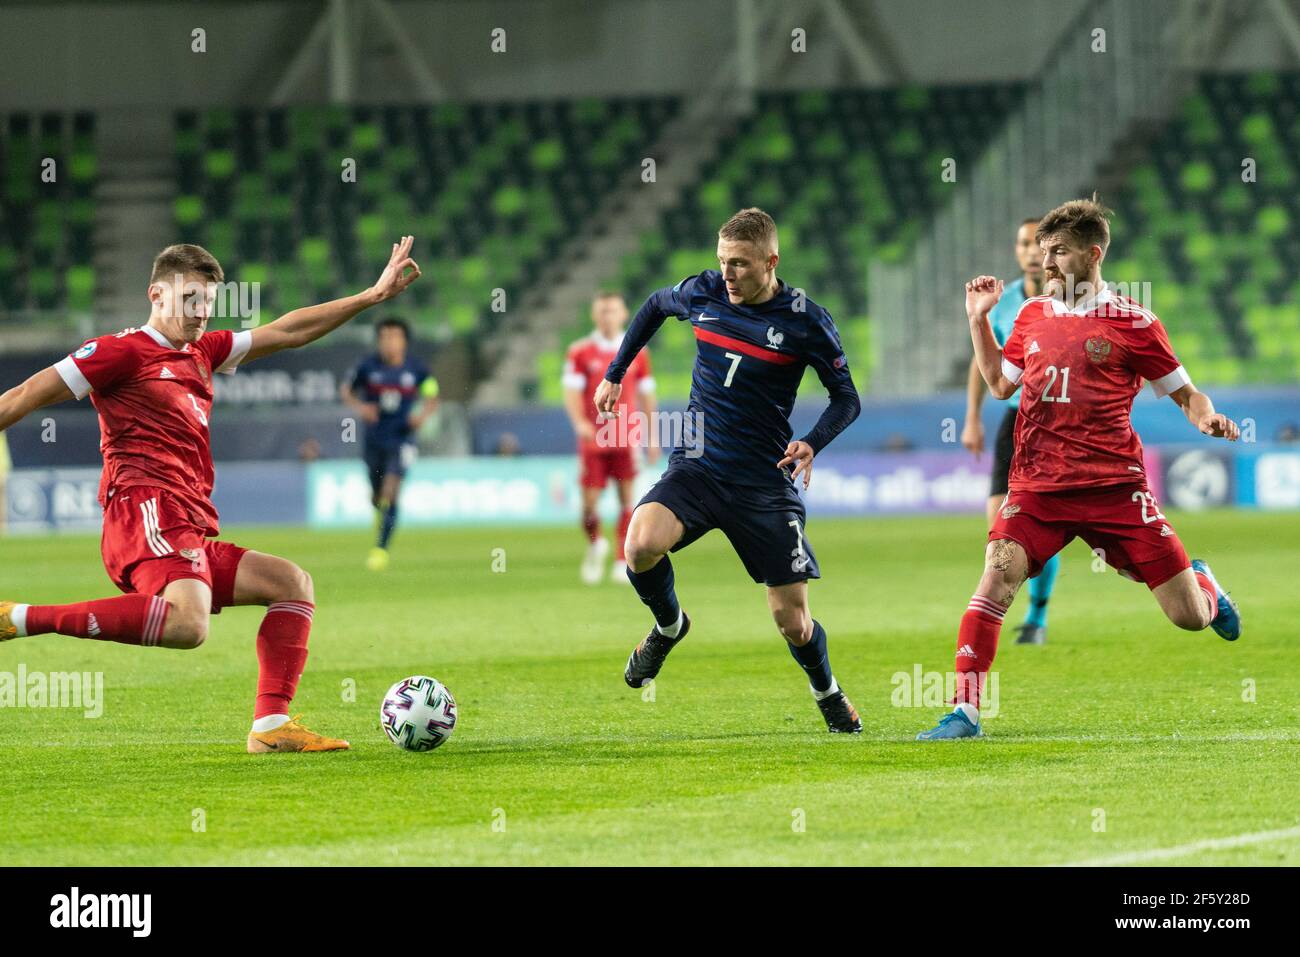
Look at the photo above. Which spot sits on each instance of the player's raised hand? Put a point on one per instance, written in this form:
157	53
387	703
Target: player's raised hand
982	294
1220	426
395	278
801	454
607	394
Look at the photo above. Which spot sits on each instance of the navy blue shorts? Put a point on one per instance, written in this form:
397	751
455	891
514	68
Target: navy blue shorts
382	460
765	525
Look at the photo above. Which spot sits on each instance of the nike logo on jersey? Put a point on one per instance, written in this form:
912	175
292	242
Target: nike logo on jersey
707	318
1033	347
166	374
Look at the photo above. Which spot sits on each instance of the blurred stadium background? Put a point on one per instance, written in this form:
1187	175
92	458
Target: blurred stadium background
511	138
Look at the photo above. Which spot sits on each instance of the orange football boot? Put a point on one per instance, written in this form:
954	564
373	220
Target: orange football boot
292	736
7	627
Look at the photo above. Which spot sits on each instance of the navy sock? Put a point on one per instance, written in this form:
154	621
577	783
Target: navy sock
655	586
813	659
390	523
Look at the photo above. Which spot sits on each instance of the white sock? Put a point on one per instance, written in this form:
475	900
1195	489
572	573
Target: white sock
270	722
672	630
19	617
822	695
971	712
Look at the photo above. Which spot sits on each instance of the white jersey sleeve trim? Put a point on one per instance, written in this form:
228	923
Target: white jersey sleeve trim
1171	383
1011	371
646	386
72	377
239	346
573	380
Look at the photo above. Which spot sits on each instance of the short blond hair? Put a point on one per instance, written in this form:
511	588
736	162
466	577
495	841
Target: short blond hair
751	225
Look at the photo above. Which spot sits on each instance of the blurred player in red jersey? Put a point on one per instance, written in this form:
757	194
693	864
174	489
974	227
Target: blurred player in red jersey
607	446
152	387
1080	352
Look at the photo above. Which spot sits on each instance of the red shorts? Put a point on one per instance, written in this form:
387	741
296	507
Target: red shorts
597	466
1123	521
150	541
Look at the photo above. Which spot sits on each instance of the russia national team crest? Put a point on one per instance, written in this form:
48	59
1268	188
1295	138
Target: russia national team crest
203	372
1098	349
1009	510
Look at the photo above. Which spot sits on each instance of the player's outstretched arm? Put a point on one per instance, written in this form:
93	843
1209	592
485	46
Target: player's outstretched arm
661	304
1200	412
297	328
45	388
982	294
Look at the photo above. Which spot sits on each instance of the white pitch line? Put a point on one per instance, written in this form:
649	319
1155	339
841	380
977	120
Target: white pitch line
1182	850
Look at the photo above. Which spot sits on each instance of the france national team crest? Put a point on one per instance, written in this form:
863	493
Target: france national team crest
86	351
774	338
1098	349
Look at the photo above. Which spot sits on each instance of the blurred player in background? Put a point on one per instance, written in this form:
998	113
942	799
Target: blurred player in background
383	390
755	336
5	465
606	451
1002	317
152	388
1081	353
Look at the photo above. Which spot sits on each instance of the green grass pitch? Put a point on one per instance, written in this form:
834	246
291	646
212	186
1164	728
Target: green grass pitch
1123	739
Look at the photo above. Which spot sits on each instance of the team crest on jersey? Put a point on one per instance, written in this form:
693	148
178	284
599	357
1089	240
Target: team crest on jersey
1009	510
1098	349
86	351
189	554
203	372
774	338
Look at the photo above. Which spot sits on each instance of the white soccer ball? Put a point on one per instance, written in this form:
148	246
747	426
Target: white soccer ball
418	713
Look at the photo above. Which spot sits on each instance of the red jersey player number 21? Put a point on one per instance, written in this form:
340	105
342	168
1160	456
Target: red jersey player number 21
153	390
1080	353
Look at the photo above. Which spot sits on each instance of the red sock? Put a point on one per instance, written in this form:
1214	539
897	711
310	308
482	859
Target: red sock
281	655
977	643
591	525
1210	592
129	619
624	521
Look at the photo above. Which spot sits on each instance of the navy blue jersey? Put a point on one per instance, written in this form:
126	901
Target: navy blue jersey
748	365
394	389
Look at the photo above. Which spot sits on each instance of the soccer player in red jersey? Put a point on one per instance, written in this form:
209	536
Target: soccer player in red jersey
152	387
1080	353
607	446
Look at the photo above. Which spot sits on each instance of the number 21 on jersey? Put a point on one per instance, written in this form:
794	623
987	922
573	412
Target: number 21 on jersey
1053	373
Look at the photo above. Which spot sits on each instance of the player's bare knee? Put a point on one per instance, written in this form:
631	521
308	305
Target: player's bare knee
640	553
1188	617
796	628
185	629
299	586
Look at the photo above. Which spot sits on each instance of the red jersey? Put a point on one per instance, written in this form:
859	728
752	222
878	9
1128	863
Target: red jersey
584	368
1079	370
154	402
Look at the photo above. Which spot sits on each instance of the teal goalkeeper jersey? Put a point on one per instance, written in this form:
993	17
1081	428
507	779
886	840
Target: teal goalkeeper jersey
1002	317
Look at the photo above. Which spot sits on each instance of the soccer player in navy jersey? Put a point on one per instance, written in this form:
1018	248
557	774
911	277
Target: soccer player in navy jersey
755	336
383	390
